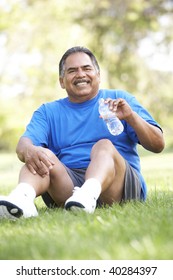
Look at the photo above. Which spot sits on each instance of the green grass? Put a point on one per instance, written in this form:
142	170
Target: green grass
132	231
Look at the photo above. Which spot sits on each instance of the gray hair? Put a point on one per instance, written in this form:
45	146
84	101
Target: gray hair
76	50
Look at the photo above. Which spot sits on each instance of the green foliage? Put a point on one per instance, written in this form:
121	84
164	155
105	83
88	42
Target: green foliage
118	28
39	32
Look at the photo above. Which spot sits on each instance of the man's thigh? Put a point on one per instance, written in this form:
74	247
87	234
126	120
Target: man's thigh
129	188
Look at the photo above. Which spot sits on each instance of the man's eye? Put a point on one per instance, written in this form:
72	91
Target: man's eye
71	71
88	68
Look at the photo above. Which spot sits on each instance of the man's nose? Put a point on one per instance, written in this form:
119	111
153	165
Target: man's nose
80	73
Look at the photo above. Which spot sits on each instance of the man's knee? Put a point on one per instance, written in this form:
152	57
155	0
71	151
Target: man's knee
104	148
103	145
50	154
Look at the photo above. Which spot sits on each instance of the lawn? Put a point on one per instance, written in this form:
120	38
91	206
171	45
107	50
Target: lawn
131	231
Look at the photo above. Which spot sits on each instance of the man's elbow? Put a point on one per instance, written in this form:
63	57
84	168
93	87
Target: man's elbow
160	145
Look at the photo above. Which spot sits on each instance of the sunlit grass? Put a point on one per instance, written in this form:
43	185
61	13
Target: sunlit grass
132	231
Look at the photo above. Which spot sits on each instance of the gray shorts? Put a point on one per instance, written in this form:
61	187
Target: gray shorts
132	184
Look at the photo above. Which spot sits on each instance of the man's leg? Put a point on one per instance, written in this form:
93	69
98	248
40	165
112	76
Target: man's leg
20	201
104	178
58	183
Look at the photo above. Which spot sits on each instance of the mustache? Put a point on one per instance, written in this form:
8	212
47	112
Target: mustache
81	81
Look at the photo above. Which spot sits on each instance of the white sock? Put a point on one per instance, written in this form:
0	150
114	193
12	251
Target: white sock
24	189
92	186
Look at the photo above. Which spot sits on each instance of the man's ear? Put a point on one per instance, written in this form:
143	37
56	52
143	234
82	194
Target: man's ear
61	81
98	75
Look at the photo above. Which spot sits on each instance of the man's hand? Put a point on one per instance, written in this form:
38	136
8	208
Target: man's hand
121	108
37	160
150	136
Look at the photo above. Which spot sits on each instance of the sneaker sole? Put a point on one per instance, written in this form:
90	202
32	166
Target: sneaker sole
74	206
9	210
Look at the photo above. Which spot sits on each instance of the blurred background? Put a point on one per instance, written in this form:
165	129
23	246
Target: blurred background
132	40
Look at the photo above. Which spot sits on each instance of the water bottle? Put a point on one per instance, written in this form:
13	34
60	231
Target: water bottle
114	125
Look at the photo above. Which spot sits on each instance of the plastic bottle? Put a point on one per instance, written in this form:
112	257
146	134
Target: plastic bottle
114	125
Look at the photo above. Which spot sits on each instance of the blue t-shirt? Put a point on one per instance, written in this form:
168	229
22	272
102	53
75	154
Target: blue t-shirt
70	130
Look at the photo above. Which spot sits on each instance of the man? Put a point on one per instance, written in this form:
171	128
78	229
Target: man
70	158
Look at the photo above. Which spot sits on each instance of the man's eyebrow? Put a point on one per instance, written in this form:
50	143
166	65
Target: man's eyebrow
71	68
83	66
88	65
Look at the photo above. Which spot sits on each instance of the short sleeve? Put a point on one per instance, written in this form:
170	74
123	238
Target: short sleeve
37	130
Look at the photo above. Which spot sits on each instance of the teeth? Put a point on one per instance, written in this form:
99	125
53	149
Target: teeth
82	83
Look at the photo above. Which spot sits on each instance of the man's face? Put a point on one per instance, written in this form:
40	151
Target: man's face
81	79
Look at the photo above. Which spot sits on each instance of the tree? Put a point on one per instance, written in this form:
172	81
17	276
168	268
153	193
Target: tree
39	32
118	27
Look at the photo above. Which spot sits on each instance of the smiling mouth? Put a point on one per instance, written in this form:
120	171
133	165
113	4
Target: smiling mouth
81	82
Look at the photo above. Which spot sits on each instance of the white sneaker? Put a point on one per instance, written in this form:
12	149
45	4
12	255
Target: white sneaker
13	208
80	200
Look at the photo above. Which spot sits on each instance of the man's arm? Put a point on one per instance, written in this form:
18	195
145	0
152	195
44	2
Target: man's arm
35	157
150	136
